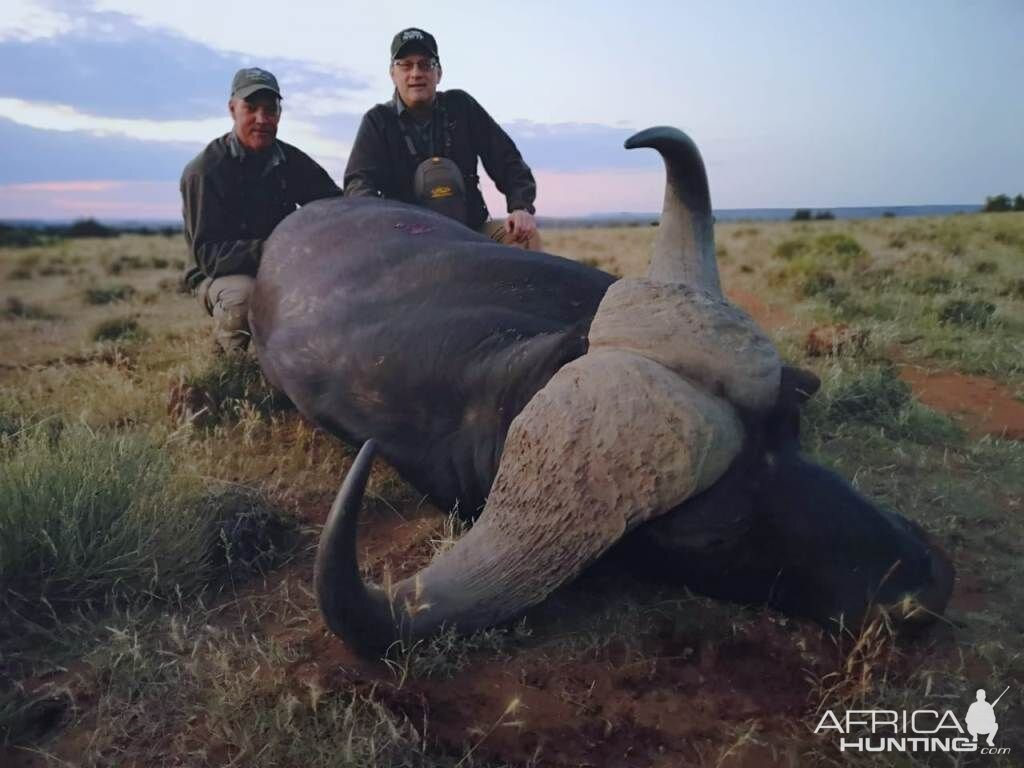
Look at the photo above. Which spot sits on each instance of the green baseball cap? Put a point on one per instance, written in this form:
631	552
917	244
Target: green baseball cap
413	38
251	79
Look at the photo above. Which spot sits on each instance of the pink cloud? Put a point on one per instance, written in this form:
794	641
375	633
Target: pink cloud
63	186
581	193
98	199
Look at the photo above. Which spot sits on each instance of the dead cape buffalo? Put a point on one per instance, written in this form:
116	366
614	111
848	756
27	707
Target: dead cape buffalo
576	410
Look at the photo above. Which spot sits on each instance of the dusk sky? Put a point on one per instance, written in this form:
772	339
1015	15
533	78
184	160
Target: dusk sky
812	104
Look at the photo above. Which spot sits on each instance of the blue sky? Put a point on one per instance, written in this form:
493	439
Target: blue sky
793	104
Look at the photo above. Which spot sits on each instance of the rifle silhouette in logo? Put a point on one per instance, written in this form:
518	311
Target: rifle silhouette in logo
981	717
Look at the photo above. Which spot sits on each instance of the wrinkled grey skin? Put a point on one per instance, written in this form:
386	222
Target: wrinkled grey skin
584	413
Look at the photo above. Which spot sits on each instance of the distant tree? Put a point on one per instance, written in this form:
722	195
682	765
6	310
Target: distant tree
888	215
824	216
997	204
20	236
1018	203
802	214
90	228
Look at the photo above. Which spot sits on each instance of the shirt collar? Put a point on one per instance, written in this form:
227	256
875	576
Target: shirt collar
237	151
401	109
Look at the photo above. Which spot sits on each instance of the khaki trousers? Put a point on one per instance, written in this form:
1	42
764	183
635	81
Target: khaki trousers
226	300
495	229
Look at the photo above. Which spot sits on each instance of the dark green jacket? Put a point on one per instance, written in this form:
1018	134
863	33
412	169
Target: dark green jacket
381	164
233	199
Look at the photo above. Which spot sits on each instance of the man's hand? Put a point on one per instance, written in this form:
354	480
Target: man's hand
520	226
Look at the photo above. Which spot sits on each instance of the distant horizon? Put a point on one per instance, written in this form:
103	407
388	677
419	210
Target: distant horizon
728	214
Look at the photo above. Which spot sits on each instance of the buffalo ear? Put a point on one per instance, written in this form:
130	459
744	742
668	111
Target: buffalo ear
797	385
782	424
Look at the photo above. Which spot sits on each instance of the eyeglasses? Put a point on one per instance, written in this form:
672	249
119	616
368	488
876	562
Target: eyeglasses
423	65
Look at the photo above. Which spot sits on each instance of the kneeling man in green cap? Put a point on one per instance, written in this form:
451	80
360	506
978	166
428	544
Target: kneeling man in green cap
233	195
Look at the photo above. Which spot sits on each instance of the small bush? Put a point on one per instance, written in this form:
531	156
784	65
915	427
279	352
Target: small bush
842	250
877	399
124	264
222	392
968	313
118	329
20	273
1014	289
54	270
250	535
86	516
16	309
931	285
801	214
818	282
790	249
986	267
873	397
109	294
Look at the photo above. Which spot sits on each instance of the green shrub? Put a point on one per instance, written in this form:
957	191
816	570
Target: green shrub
789	249
230	385
1014	289
250	535
125	263
818	282
874	396
109	293
16	309
931	285
876	279
986	267
87	516
879	399
969	313
118	329
841	250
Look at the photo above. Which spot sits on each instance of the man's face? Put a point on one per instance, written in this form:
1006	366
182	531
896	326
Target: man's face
416	76
256	118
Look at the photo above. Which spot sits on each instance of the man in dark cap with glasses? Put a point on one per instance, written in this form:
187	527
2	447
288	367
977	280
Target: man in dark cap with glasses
233	195
422	147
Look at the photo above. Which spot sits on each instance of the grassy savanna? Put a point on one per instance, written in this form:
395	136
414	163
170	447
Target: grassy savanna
155	556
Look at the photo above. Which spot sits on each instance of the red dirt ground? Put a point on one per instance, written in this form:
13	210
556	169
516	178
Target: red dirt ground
984	406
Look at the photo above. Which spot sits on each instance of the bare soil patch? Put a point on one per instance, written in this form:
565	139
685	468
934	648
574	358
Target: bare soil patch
984	406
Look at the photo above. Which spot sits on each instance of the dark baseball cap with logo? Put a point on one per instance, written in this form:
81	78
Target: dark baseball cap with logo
412	38
249	80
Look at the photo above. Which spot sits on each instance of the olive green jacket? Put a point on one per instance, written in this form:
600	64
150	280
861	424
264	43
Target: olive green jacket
232	200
